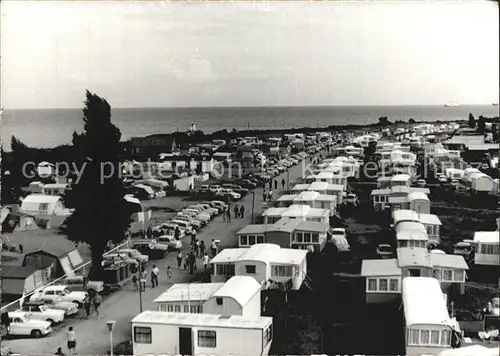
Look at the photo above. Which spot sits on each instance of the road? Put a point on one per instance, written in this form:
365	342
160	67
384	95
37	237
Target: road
122	306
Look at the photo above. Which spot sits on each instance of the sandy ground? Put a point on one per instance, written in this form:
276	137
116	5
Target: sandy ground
123	306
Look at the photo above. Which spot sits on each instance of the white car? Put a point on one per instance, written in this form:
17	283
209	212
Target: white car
171	242
37	310
384	250
136	255
69	308
219	205
169	229
223	192
208	209
195	223
214	188
196	214
21	324
54	292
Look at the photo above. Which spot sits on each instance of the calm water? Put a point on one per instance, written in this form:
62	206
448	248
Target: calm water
51	127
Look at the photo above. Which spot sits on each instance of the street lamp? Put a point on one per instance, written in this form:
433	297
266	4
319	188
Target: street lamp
111	325
253	204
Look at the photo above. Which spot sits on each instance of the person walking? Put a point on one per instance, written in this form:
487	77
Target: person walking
59	352
86	305
202	248
21	248
213	248
169	275
179	260
197	248
177	233
224	215
275	184
191	262
154	276
242	211
134	283
270	195
236	211
228	215
205	262
71	340
144	278
97	303
283	183
264	194
193	236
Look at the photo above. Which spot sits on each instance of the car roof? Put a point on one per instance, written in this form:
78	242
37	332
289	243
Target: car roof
33	302
56	287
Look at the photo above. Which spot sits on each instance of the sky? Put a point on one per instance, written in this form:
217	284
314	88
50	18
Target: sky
249	54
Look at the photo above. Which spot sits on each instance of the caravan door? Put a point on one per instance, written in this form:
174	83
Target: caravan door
185	341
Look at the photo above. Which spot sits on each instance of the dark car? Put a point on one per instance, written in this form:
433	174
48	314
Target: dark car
247	184
151	249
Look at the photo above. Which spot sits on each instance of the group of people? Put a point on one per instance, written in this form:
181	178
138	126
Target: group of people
92	303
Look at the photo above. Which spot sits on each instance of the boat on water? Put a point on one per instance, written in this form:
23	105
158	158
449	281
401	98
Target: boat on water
495	104
452	105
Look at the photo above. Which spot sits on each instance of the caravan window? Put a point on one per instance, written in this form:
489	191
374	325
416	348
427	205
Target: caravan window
142	335
281	271
458	275
250	269
177	308
43	209
207	338
372	284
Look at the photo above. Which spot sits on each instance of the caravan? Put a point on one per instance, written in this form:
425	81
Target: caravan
160	333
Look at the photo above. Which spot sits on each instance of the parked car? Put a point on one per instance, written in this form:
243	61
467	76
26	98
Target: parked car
21	324
60	291
339	238
236	188
186	225
111	258
170	226
351	199
224	192
80	284
220	205
206	208
198	213
172	243
247	183
134	254
384	250
151	248
69	308
464	249
214	188
204	189
421	183
280	168
196	224
38	310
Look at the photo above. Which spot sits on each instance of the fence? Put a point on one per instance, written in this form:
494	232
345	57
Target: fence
17	303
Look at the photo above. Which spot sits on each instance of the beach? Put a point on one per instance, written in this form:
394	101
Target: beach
48	128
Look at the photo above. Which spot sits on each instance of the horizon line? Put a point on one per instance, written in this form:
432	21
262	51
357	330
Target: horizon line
254	106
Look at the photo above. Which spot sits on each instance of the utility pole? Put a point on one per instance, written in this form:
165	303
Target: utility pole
253	205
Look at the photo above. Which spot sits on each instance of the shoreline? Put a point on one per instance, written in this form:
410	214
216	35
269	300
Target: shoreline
203	137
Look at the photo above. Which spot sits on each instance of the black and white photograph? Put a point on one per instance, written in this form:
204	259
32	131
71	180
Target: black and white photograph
250	178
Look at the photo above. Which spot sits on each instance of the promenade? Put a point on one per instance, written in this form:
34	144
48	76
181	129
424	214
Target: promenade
92	334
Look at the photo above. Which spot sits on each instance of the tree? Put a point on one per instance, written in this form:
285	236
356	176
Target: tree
481	124
383	121
101	213
495	132
472	121
16	171
411	121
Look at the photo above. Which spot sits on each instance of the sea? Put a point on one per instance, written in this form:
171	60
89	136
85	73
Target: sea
47	128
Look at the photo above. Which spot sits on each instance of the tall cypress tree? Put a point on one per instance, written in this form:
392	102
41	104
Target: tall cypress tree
101	213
